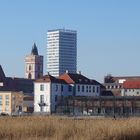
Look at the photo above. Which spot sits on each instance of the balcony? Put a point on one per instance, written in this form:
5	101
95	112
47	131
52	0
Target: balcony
42	104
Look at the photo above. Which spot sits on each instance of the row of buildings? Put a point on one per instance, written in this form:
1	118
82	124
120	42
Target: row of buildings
49	94
63	89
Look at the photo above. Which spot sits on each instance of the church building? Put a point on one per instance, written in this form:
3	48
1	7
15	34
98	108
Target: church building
34	64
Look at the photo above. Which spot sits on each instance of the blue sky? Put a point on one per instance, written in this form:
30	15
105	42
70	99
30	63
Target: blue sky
108	33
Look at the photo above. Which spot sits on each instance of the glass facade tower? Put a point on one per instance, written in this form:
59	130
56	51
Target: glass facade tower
61	51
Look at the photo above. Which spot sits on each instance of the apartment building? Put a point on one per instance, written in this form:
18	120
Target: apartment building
48	90
11	102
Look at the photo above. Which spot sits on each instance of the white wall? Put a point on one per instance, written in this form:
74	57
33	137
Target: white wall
53	91
46	94
130	92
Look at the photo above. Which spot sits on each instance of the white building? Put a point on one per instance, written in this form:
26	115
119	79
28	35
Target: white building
49	90
131	88
34	64
61	51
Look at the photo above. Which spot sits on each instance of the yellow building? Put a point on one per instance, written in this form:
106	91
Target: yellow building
11	102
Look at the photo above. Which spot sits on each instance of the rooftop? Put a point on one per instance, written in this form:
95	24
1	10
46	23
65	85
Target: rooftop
132	84
77	78
63	30
49	78
34	50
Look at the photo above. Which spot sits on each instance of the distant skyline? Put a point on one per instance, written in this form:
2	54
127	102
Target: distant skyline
108	34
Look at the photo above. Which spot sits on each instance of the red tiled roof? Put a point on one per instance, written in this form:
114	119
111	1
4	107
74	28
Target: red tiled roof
72	78
132	84
49	78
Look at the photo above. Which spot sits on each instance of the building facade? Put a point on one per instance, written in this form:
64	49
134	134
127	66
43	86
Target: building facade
11	103
50	91
131	88
12	89
34	64
115	83
47	92
61	51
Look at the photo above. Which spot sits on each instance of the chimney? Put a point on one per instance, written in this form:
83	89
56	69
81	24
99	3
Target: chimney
67	71
79	72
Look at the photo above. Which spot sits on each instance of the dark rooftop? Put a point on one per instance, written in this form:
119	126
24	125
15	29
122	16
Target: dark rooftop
34	50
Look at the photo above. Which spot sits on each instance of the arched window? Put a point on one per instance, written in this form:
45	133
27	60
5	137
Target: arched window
30	67
29	76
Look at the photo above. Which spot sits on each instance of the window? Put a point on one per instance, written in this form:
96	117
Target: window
62	88
137	92
0	100
7	100
41	87
7	97
29	76
93	89
97	89
41	98
56	88
0	108
83	88
30	67
87	88
6	108
78	88
55	98
69	88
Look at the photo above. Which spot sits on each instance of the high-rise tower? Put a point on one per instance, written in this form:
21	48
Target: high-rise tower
61	51
34	64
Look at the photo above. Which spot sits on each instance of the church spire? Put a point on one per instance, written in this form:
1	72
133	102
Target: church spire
2	75
34	50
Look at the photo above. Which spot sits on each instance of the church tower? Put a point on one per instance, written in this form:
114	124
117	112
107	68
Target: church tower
34	64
